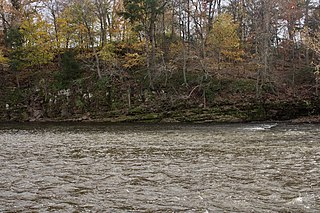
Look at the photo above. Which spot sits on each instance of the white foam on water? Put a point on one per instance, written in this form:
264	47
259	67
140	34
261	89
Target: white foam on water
304	202
261	127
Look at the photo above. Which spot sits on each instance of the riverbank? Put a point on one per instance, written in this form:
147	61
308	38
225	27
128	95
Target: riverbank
223	96
297	112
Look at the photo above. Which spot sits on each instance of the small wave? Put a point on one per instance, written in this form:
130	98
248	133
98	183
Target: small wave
304	202
261	127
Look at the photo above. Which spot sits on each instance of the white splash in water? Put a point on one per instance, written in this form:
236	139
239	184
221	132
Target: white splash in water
304	202
261	127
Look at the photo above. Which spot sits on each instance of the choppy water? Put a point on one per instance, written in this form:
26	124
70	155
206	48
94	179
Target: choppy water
159	168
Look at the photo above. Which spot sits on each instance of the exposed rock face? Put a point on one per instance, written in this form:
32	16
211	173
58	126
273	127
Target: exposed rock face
35	107
64	111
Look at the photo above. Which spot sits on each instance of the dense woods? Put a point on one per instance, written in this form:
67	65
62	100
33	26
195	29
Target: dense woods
159	59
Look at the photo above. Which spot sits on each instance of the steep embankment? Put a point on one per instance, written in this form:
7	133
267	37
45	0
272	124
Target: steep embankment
71	91
104	101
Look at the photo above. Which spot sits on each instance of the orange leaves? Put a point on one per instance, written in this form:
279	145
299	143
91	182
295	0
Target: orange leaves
133	60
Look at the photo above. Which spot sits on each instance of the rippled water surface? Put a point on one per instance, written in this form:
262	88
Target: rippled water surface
159	168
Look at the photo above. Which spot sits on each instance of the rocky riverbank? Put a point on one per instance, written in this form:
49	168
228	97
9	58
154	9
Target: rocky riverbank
39	110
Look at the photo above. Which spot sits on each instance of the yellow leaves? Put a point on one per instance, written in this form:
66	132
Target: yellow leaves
35	30
132	60
176	49
135	56
224	39
312	42
233	55
82	28
107	52
38	42
37	55
3	60
73	24
138	46
224	32
65	30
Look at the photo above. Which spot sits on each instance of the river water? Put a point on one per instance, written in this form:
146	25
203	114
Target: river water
159	168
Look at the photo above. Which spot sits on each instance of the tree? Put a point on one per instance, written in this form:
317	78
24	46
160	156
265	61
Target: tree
261	21
291	11
224	39
102	11
312	40
70	69
4	11
83	11
144	14
54	10
37	47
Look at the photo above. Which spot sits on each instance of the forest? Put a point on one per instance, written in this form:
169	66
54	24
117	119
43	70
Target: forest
159	60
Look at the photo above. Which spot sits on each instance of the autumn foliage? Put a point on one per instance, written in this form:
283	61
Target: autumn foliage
189	46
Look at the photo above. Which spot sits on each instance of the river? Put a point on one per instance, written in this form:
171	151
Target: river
159	168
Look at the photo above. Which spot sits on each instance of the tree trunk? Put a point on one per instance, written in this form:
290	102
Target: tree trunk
172	20
307	2
97	61
129	97
153	49
264	48
219	7
184	68
102	32
188	22
148	59
212	6
4	21
94	51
